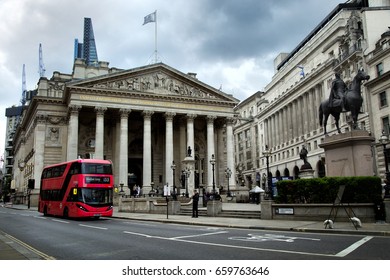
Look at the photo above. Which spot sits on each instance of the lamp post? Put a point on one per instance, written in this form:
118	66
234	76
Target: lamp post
173	166
384	140
228	173
267	154
212	162
186	172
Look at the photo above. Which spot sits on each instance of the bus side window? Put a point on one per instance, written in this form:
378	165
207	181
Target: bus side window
74	169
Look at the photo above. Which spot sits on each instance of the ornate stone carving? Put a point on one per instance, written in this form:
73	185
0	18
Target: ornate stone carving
55	119
156	83
74	109
100	110
53	134
147	114
169	115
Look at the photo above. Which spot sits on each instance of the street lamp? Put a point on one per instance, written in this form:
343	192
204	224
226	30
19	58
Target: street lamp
228	173
173	166
384	140
186	172
267	154
212	162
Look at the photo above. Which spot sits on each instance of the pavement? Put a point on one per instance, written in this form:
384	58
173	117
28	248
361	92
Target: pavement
11	249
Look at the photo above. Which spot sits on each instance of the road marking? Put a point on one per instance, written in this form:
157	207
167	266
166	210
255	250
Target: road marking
139	234
28	247
271	237
40	217
354	246
60	221
141	223
82	225
199	235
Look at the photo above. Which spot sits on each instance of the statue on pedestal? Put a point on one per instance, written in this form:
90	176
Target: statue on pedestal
303	156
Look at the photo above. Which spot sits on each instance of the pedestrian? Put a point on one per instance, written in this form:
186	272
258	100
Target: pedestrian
139	191
195	200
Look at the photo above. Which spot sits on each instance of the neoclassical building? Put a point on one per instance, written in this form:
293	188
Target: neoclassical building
142	119
285	116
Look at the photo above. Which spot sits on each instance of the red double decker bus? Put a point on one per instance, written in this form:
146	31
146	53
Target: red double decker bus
78	188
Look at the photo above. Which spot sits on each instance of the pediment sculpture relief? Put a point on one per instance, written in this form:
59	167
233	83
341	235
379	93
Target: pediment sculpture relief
156	83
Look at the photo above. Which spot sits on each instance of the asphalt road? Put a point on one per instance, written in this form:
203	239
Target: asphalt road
119	239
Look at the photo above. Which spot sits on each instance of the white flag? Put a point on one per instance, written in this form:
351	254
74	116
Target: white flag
150	18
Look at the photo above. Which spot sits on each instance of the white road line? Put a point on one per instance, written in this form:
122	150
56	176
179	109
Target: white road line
199	235
82	225
140	223
40	217
229	245
354	246
60	221
139	234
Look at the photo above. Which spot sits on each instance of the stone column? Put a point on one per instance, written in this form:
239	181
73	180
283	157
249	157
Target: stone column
117	151
73	132
311	111
147	159
169	147
230	152
183	139
99	134
289	123
295	119
210	149
306	121
190	132
39	140
123	146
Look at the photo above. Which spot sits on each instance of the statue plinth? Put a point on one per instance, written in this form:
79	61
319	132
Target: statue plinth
189	164
348	154
306	166
306	173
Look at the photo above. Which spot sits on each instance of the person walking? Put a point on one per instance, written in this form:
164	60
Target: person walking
195	200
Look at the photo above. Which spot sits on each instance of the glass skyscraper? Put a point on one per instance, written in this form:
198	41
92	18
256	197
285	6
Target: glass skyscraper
87	49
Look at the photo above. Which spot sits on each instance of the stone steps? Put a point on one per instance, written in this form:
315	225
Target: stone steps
186	211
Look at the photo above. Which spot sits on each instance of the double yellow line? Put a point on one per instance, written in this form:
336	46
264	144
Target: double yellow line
28	247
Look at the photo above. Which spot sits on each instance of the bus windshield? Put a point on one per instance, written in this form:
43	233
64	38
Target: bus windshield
95	196
96	168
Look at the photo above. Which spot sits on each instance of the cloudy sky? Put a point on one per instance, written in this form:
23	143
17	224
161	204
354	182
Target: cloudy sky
228	43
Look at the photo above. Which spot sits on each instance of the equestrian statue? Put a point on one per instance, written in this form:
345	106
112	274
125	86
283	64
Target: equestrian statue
343	99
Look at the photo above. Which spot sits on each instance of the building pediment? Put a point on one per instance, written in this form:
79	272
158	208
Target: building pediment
156	80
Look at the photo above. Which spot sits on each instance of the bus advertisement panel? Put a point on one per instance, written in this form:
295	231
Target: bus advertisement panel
78	188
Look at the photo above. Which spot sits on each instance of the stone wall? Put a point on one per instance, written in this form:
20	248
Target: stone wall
318	212
148	205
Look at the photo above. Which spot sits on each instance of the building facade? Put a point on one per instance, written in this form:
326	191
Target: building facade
286	116
143	120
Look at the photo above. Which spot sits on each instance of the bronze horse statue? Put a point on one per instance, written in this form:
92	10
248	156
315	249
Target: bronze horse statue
353	103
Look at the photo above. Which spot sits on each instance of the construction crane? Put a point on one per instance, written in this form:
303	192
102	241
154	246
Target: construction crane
42	69
24	90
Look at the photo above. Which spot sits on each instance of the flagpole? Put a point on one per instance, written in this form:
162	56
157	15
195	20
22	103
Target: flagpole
155	38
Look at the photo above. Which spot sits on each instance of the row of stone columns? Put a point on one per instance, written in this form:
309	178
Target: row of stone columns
295	119
122	153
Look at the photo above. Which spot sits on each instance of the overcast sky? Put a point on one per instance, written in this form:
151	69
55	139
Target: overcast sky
228	43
